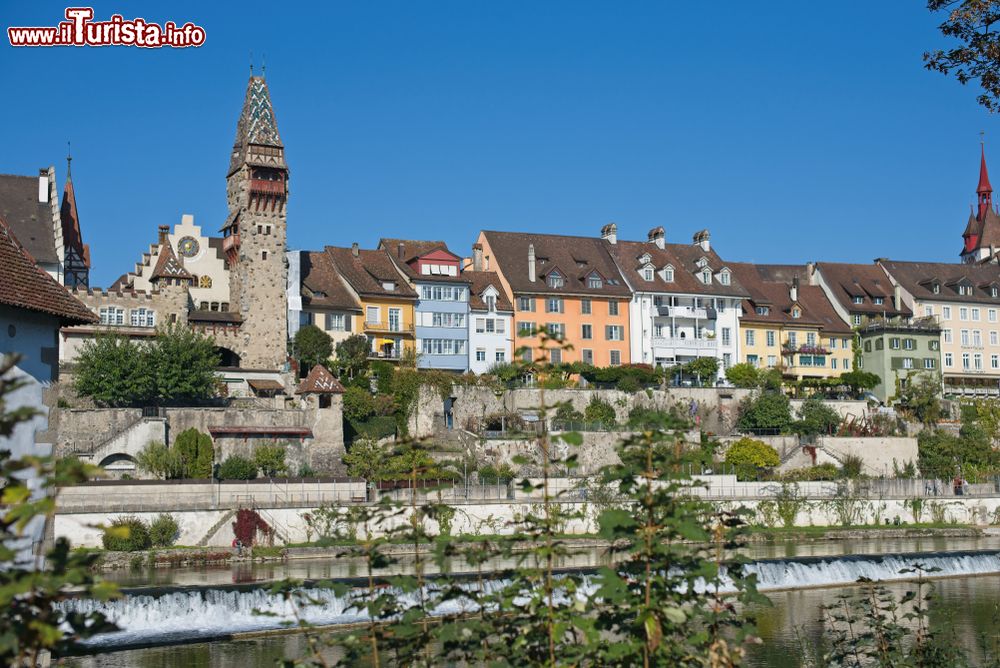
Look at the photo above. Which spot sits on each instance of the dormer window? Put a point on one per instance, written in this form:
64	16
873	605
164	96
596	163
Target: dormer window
389	286
796	312
594	282
725	277
555	280
858	299
877	300
993	291
965	290
936	288
763	310
647	274
668	274
491	303
706	276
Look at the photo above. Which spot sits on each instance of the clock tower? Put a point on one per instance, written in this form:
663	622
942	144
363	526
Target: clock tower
255	232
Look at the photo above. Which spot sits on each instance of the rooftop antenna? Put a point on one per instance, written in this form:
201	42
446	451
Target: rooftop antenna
251	62
69	158
263	65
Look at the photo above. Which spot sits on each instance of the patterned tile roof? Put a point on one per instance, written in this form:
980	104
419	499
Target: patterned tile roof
257	124
320	381
24	285
168	266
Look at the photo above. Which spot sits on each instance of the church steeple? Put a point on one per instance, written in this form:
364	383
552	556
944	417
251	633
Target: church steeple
984	190
77	254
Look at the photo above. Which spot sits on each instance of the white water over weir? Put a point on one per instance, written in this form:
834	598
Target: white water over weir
211	613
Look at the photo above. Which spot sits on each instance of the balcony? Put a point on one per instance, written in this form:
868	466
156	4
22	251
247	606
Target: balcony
687	343
686	312
806	349
388	328
232	242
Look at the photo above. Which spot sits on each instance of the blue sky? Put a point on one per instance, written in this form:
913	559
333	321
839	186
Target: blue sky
793	131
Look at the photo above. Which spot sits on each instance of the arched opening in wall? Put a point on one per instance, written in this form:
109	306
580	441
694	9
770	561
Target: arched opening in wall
119	465
227	358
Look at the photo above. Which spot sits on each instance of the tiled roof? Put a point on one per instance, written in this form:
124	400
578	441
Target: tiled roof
29	219
368	270
918	279
226	317
816	308
168	266
480	281
576	258
322	285
257	124
24	285
72	236
684	260
868	281
320	381
405	251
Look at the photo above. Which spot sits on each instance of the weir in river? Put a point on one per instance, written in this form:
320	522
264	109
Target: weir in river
183	614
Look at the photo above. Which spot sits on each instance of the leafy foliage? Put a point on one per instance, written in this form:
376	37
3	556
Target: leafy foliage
352	355
970	22
921	397
766	411
163	530
748	455
600	411
159	460
816	417
705	368
126	534
195	452
743	375
248	525
270	460
182	363
236	467
111	370
859	381
312	346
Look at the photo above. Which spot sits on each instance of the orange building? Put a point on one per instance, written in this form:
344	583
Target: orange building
569	285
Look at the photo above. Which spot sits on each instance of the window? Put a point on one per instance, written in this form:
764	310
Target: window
928	310
771	337
554	305
614	333
616	358
491	303
811	338
772	360
668	274
585	306
706	276
480	354
143	317
947	359
993	338
525	328
555	356
263	255
480	325
909	344
934	344
856	320
893	343
833	344
336	322
963	313
647	274
727	360
993	291
526	304
586	331
977	338
833	362
112	315
491	326
965	337
555	280
868	346
975	315
796	312
907	362
946	334
995	361
725	277
443	347
595	282
762	310
500	356
726	336
965	361
858	299
372	315
753	359
946	313
500	325
612	308
992	314
750	337
556	330
977	361
793	339
526	355
879	344
588	356
930	363
877	301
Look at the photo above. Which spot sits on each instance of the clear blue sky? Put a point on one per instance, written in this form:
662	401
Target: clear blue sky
794	130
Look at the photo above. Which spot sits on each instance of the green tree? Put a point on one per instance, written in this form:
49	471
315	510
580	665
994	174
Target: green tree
312	346
743	375
352	354
767	411
705	368
366	459
112	370
163	530
971	23
159	460
359	405
815	418
270	459
921	397
747	455
195	452
183	364
859	381
600	411
237	467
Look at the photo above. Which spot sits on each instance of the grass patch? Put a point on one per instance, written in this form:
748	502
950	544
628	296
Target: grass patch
263	551
788	533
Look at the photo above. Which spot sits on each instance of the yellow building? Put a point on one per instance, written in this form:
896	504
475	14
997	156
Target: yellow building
789	326
384	300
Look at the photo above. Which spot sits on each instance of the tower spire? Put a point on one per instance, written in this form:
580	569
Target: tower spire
69	160
984	190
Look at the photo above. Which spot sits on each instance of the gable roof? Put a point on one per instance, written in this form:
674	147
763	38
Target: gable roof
322	285
320	381
368	270
576	258
683	258
482	280
406	251
816	309
868	281
168	266
917	278
28	218
23	284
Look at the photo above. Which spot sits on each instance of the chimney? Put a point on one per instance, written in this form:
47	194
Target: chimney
658	236
702	239
897	297
793	293
477	257
400	250
531	262
164	231
610	233
354	249
811	272
43	186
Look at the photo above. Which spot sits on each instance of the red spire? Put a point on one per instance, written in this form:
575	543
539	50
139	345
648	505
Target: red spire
985	190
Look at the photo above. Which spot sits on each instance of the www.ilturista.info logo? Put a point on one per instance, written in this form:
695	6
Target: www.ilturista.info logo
80	30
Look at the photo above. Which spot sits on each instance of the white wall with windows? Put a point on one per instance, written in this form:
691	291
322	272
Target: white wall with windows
491	335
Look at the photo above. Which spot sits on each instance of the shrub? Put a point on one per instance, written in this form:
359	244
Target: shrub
159	460
127	533
566	413
768	410
270	460
600	411
490	474
358	404
163	531
825	471
312	346
307	471
195	452
851	466
816	418
628	384
383	372
248	524
237	468
705	368
747	455
743	375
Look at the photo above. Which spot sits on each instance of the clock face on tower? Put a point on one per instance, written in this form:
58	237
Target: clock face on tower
188	246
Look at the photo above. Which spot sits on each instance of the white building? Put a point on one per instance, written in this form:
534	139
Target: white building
685	302
491	322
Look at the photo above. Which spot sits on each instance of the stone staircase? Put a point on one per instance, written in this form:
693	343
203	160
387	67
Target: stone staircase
227	517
